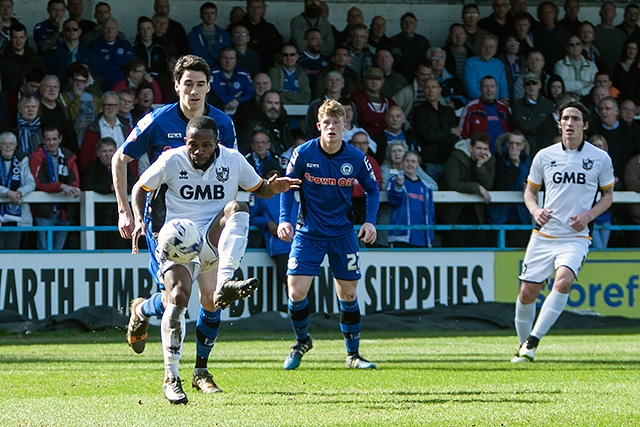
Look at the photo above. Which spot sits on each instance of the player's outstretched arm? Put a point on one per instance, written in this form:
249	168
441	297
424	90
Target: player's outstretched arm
368	233
119	164
285	231
138	200
581	221
276	185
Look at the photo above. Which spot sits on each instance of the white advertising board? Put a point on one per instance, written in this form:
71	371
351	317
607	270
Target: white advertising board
40	285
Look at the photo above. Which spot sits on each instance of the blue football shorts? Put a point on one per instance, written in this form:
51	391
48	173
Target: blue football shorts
307	254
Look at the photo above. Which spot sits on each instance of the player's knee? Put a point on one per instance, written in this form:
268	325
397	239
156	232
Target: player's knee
347	296
562	285
235	206
179	296
529	292
296	294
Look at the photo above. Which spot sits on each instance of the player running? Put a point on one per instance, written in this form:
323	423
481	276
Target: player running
328	167
215	173
572	171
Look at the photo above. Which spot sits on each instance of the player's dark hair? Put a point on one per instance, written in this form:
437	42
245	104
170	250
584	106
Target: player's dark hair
193	63
203	122
586	116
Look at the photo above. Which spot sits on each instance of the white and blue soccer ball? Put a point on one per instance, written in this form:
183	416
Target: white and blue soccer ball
179	240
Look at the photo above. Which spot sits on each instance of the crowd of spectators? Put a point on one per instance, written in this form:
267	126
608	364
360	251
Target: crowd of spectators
467	116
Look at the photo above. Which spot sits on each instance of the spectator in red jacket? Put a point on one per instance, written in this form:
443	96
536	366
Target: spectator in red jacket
55	171
108	124
486	114
371	105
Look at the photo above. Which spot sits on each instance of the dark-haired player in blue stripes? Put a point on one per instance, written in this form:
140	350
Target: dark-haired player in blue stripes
328	167
158	131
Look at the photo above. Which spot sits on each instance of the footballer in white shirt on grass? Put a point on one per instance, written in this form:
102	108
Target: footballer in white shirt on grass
572	171
203	179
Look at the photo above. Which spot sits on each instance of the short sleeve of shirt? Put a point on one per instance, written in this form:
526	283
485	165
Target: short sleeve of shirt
139	140
536	176
156	173
249	178
606	178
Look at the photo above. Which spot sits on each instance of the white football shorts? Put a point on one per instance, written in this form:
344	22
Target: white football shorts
207	259
545	255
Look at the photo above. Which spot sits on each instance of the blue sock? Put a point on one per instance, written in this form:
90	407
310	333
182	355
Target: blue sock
152	306
350	324
207	327
299	311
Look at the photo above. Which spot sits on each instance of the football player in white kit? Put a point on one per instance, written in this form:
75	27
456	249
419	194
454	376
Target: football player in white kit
203	179
573	171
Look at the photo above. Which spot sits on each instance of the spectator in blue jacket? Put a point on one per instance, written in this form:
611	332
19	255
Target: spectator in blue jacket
485	64
411	201
112	53
264	214
232	84
207	39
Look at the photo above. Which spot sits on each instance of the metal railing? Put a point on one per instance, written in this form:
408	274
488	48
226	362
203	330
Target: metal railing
89	200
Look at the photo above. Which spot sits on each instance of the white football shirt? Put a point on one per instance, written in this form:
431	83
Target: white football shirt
196	194
572	179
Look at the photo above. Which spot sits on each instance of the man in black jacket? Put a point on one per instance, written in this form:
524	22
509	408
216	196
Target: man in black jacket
436	128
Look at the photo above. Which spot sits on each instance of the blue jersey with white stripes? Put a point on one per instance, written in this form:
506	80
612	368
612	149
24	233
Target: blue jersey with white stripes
325	193
166	128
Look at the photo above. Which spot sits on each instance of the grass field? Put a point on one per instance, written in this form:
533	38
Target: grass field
581	378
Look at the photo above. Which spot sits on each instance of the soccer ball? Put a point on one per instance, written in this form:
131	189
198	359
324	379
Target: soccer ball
179	240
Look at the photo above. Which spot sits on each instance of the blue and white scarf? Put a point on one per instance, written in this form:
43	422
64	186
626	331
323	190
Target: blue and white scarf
29	135
258	162
10	212
63	170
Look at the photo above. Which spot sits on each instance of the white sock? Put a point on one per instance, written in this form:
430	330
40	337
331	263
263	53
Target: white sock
173	329
551	309
525	315
232	244
140	314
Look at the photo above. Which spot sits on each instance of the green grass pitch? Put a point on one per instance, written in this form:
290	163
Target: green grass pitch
581	378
